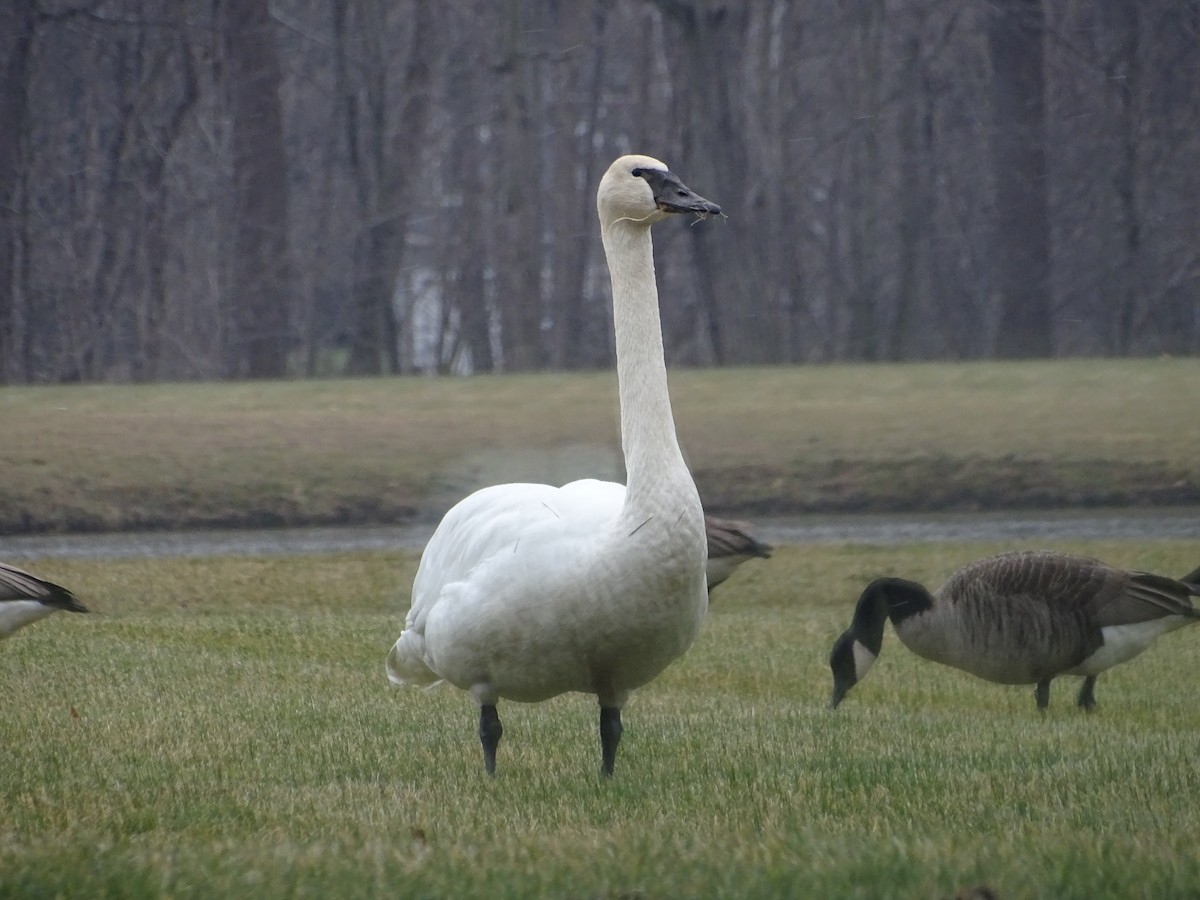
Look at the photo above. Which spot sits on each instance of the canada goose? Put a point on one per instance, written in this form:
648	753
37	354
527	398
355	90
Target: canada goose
25	598
1019	618
527	591
730	543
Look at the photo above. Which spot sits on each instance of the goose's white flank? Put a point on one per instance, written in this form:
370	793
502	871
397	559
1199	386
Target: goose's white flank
527	591
25	598
1019	618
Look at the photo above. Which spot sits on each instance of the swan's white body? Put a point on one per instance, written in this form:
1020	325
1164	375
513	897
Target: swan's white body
526	591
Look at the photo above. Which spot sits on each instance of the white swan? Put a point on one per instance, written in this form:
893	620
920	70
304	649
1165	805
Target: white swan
527	591
25	598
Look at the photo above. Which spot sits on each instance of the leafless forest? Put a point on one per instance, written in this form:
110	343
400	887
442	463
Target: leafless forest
244	188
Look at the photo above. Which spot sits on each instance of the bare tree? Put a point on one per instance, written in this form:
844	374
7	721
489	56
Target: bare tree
386	122
1016	35
200	189
261	272
17	25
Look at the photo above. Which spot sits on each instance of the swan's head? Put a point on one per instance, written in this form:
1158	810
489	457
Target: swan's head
643	190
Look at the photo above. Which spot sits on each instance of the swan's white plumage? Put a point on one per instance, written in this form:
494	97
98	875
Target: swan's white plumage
497	537
526	591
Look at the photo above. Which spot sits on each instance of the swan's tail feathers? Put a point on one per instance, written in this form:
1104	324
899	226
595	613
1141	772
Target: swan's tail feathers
406	661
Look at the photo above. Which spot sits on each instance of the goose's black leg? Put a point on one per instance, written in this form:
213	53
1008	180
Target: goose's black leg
1043	693
610	736
490	731
1087	694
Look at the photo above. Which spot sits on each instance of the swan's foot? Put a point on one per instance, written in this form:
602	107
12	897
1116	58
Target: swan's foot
1043	693
1087	694
490	731
610	736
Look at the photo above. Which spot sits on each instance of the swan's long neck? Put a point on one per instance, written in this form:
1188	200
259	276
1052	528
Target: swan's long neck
653	460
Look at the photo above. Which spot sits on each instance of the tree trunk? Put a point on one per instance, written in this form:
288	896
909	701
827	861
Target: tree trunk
578	156
862	337
727	281
915	195
17	24
519	254
1016	32
385	152
261	274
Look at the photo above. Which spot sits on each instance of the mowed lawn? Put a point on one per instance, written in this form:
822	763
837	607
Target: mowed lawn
981	435
223	728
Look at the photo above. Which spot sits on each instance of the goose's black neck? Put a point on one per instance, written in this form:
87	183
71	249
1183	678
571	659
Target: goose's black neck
884	598
899	598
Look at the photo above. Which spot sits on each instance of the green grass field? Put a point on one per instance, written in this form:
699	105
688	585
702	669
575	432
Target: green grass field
759	441
223	728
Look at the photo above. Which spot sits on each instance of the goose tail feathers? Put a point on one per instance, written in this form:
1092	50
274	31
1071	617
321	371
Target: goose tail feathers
1192	580
17	584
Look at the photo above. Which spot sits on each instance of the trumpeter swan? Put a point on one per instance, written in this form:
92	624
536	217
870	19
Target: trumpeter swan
1019	618
527	591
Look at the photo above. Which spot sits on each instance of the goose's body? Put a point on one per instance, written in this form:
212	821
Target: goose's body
730	543
1019	618
25	598
526	591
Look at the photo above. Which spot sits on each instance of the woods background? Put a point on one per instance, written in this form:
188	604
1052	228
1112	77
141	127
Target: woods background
236	188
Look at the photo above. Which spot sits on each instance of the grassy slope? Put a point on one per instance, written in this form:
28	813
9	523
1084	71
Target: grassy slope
223	728
929	436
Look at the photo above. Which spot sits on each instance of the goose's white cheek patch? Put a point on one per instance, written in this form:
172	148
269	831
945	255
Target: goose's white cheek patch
863	659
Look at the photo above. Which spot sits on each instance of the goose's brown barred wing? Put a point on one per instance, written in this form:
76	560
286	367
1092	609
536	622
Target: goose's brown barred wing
731	537
1068	582
1135	597
730	543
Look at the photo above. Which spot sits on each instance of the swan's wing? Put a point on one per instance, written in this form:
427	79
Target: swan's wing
495	519
481	531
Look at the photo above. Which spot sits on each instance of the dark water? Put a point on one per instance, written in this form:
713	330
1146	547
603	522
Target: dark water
1029	527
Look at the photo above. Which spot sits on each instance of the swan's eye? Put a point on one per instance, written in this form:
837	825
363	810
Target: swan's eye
637	173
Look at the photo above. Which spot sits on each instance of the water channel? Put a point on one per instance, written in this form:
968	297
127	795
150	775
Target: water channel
1027	528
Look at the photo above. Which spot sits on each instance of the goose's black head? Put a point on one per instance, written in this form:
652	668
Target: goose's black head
856	650
849	660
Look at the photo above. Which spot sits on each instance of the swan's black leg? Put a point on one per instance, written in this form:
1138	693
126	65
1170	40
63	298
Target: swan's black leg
490	731
610	736
1087	694
1043	693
